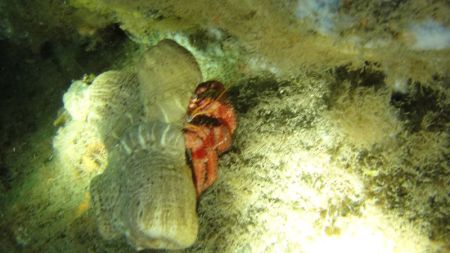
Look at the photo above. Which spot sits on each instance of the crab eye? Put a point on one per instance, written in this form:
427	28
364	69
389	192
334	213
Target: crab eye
202	88
209	89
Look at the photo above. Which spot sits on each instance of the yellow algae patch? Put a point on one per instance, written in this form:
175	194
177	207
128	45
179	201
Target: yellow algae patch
84	205
94	158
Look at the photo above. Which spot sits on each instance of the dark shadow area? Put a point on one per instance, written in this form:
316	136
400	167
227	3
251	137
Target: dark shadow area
33	82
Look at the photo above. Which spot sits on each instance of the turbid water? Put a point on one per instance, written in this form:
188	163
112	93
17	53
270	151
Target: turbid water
342	137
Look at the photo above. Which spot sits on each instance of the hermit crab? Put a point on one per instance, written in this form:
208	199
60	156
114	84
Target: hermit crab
208	131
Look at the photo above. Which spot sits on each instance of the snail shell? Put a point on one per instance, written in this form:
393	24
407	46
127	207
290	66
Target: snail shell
146	192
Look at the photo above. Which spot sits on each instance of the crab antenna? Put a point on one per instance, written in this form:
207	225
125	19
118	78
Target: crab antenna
196	110
221	94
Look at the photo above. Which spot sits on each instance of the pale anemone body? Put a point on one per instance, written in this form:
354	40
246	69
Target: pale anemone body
146	193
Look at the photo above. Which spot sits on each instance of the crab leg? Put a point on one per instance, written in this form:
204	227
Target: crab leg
211	169
199	175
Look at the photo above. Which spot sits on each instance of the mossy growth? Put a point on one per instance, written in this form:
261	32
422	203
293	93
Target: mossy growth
365	118
398	143
272	31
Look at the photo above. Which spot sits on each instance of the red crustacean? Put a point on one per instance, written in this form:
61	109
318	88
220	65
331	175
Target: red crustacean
208	131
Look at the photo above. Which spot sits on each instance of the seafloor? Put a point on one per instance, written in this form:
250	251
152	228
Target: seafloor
343	108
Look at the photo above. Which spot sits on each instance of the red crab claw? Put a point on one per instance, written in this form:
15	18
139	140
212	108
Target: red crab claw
202	155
